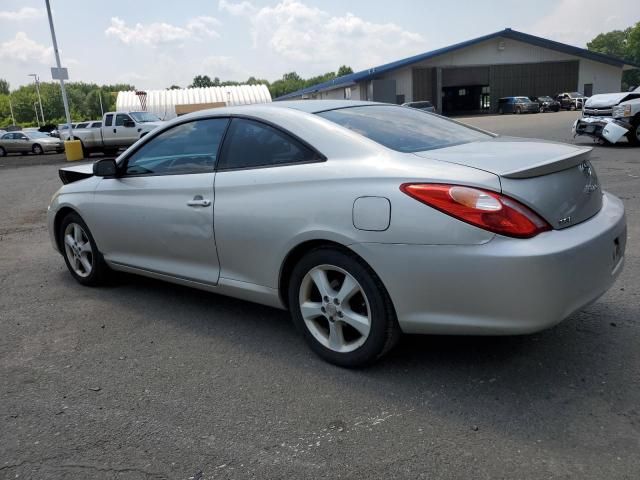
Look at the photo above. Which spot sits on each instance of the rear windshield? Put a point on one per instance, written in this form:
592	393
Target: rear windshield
403	129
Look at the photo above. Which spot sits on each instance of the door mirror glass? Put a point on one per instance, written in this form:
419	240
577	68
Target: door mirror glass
105	168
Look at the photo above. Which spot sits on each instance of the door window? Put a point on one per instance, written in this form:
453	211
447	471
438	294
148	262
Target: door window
186	148
121	118
108	120
251	144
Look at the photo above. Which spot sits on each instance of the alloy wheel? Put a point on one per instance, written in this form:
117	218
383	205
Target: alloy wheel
37	149
78	250
335	308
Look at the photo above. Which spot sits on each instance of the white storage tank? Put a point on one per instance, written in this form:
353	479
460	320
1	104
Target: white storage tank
168	104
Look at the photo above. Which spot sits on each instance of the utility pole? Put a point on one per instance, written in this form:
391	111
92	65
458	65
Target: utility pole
55	50
35	109
100	97
35	76
13	119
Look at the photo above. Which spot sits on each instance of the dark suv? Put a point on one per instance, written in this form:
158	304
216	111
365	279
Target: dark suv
547	104
517	105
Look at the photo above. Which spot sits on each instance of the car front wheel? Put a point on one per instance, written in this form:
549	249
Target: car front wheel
634	134
37	149
341	307
3	152
80	252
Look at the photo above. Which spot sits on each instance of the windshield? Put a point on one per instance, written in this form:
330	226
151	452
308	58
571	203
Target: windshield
143	117
36	135
404	129
575	94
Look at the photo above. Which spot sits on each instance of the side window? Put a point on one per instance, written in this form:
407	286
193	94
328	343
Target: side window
7	136
108	120
253	144
121	118
96	125
186	148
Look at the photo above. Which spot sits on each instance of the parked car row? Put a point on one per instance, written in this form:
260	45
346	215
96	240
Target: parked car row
29	141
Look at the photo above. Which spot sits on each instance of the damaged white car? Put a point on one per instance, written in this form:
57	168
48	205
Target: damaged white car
610	117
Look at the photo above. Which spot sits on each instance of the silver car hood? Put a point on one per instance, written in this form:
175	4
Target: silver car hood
610	99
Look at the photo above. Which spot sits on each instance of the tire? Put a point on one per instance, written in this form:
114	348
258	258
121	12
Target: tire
37	149
541	110
517	111
324	325
500	111
98	271
3	152
572	107
634	135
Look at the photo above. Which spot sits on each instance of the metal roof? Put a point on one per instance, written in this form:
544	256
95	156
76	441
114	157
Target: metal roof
508	33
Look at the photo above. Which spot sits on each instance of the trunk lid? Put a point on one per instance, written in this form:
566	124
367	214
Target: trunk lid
554	179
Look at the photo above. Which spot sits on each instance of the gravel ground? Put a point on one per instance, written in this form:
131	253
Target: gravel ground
143	379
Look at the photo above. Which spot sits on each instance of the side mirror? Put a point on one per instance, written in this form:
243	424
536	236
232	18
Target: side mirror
129	123
105	168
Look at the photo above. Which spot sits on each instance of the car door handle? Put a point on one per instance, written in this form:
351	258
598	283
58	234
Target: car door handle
198	201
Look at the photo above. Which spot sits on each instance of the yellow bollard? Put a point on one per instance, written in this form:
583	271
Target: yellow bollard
73	150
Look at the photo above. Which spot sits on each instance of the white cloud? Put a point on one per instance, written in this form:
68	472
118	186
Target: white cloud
25	50
223	67
25	13
298	32
159	33
576	22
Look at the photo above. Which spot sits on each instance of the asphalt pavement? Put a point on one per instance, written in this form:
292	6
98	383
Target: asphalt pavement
143	379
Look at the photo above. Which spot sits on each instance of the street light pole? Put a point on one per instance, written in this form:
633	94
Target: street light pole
55	50
35	76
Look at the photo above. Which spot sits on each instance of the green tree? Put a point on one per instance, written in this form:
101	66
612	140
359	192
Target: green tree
344	70
623	44
201	81
4	87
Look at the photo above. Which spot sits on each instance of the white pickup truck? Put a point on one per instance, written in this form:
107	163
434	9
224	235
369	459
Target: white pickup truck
611	116
116	130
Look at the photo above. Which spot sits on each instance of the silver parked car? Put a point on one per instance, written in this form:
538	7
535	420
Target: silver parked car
364	220
29	141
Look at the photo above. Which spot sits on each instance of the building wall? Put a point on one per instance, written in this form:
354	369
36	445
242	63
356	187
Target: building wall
605	78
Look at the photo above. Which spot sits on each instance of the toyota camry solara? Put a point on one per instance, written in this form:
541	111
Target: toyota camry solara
364	220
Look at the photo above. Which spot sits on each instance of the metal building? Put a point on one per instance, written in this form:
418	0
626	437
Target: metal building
471	76
168	104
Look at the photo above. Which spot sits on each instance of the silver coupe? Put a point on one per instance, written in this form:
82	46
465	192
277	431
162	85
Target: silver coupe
364	220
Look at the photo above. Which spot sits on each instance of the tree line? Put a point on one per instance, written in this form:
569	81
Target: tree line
84	102
84	98
623	44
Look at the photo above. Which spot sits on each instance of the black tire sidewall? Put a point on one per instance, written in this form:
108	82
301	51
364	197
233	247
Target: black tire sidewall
99	267
379	303
3	152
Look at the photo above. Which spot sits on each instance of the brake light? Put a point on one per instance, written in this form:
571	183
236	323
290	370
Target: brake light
481	208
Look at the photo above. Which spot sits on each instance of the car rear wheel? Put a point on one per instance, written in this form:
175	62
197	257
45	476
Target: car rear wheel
341	307
80	252
37	149
3	152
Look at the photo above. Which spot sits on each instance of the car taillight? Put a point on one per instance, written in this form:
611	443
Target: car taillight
482	208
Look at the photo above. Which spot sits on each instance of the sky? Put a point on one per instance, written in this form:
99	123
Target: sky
155	44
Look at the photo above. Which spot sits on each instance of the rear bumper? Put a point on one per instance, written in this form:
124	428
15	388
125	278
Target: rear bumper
507	286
